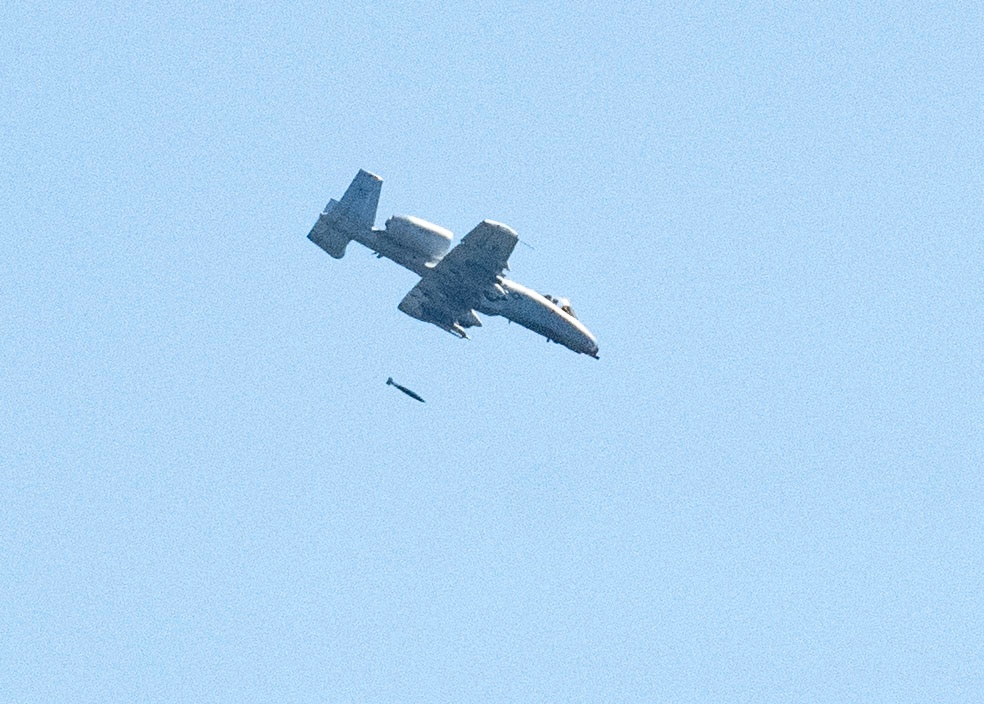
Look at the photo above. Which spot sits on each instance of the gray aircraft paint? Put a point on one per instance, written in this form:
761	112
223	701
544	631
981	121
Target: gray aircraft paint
469	281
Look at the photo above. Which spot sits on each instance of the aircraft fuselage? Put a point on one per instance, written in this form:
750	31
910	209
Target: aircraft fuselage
536	312
509	299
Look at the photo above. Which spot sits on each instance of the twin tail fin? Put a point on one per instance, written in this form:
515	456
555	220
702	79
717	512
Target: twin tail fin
355	212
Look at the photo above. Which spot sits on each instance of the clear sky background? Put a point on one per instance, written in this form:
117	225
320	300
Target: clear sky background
767	489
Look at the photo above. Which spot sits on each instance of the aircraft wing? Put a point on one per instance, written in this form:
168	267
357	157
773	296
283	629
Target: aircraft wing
447	293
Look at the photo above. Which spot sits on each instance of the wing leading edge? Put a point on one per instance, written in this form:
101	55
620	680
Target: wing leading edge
447	294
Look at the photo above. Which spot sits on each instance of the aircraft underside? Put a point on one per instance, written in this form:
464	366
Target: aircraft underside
455	282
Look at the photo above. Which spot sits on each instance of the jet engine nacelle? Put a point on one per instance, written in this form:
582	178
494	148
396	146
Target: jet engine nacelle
430	240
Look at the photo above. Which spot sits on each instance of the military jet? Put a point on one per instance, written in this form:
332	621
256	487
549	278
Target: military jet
455	283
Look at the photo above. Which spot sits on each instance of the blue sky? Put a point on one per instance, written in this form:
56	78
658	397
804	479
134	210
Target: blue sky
767	489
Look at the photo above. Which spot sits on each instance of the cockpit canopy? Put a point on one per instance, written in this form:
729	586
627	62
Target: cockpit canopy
562	303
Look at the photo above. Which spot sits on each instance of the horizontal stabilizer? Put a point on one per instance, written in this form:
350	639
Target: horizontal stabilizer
327	234
355	212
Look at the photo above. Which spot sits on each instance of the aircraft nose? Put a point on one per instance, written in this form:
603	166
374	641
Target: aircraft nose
588	345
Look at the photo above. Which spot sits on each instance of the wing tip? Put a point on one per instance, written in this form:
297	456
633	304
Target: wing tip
500	226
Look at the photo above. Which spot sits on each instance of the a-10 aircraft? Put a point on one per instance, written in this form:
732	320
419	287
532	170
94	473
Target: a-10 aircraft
454	284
